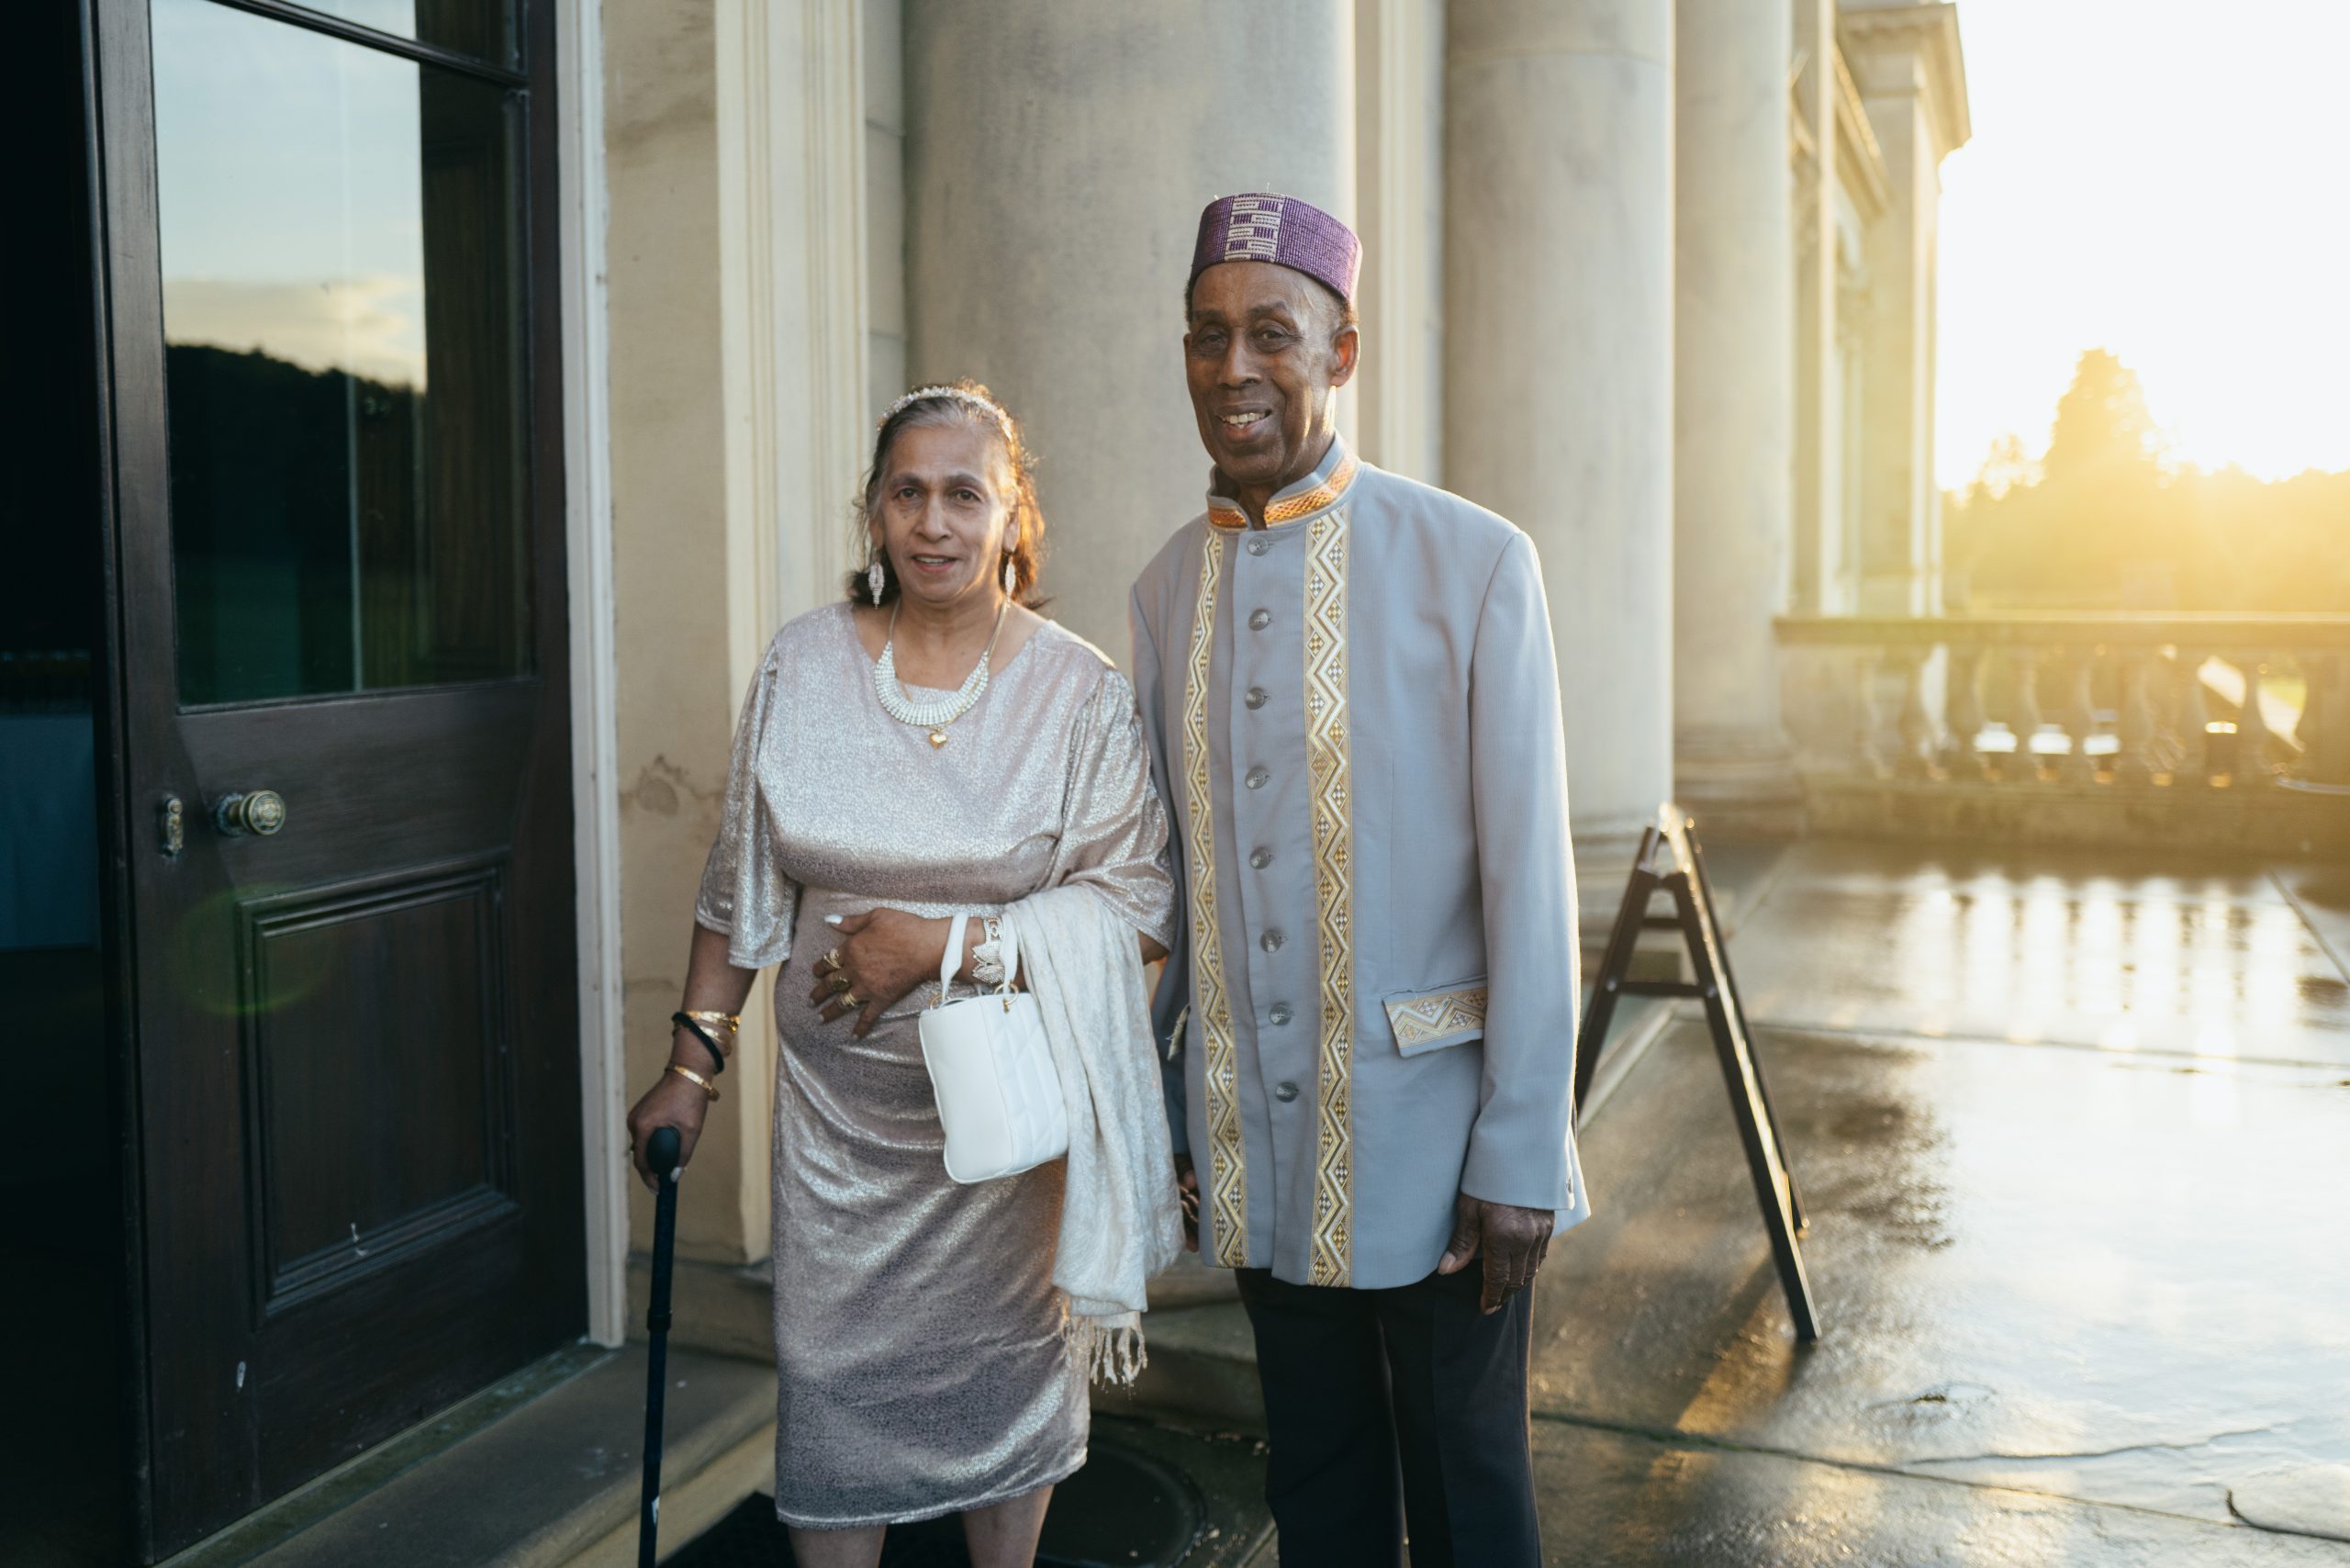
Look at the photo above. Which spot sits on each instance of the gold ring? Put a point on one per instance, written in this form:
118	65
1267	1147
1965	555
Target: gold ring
847	999
834	958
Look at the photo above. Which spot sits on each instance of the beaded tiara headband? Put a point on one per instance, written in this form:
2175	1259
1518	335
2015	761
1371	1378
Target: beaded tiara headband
953	394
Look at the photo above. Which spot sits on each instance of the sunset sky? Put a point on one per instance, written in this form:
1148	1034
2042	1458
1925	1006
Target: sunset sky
2168	179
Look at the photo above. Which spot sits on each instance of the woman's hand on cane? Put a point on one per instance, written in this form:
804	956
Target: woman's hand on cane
675	1101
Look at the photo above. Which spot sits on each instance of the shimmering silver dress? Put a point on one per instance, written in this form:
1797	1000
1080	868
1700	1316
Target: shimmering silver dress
917	1331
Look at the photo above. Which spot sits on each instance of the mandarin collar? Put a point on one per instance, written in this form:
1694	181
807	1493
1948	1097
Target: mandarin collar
1316	492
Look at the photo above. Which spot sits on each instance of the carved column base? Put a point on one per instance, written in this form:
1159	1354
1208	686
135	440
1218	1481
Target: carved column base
1737	783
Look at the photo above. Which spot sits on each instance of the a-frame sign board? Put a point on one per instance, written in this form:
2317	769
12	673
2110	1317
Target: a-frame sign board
1668	863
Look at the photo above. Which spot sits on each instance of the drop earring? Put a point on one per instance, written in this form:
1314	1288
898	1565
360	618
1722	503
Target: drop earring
875	578
1010	575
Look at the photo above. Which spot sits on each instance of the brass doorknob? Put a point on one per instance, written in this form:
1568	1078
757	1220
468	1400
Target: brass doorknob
261	811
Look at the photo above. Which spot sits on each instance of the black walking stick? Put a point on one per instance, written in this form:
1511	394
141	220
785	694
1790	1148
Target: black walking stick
661	1154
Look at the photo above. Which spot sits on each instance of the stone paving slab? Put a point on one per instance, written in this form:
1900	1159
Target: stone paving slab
2111	1278
2179	955
554	1482
1621	1500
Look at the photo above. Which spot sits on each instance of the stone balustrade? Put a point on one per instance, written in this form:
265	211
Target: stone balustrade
2135	715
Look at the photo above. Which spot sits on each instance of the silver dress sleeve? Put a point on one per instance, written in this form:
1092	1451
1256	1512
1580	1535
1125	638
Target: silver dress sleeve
1113	830
745	894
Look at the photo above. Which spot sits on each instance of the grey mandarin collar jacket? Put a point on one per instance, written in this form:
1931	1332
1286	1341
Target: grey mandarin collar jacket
1353	718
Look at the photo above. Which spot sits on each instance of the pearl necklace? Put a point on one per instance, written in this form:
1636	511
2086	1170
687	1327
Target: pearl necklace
933	716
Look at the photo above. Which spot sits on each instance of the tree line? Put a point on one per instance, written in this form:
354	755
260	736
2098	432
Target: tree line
2105	521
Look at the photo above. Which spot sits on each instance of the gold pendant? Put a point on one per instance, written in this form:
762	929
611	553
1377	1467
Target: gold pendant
938	737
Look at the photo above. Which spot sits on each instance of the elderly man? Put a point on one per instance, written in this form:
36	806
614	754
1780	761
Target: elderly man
1353	709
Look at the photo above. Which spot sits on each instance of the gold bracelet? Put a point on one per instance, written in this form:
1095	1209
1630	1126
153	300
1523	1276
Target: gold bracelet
711	1017
691	1076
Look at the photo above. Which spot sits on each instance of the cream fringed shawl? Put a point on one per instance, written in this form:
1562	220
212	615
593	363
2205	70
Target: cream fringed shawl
1121	1219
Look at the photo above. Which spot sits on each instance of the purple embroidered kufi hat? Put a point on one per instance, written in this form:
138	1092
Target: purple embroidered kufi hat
1264	226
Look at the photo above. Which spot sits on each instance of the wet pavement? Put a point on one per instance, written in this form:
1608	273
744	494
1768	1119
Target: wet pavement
2203	957
2075	1137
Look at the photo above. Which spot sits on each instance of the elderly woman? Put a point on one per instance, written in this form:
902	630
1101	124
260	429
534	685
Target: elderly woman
935	750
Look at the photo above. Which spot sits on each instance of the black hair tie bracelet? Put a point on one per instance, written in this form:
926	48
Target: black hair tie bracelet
703	1036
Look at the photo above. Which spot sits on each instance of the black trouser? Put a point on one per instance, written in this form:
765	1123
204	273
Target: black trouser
1388	1403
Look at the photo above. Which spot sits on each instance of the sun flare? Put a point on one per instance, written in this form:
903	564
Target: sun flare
2160	178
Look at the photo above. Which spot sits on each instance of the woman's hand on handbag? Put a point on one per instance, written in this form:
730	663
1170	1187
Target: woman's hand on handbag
876	960
675	1101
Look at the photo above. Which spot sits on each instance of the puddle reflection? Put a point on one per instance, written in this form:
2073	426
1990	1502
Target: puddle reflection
2199	966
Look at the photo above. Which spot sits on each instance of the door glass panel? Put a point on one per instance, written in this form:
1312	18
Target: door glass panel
343	347
483	27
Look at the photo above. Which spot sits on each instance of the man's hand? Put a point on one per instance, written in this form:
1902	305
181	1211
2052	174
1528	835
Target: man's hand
1512	1240
1187	1189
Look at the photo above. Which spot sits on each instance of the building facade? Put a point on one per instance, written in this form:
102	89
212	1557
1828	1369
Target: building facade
590	309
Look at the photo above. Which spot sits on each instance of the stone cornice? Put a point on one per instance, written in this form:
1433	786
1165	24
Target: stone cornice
1803	150
1860	162
1928	33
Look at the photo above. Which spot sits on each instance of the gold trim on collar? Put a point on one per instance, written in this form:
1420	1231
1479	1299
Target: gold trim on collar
1294	506
1329	771
1227	1152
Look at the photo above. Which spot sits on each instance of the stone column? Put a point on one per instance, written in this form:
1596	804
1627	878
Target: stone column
673	535
1399	196
736	323
1559	361
1733	412
1057	160
1818	430
1912	81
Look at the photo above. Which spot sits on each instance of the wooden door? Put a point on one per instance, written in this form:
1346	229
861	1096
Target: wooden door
336	463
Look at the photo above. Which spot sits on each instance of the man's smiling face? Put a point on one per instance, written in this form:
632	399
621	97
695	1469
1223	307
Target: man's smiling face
1266	348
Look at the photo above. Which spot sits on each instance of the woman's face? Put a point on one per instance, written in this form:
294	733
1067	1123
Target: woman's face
945	511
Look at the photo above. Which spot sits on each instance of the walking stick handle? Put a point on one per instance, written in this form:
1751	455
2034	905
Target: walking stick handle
661	1150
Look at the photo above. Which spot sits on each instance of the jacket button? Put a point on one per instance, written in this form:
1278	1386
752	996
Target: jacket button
1284	1091
1280	1012
1270	941
1260	858
1258	776
1260	619
1259	546
1256	698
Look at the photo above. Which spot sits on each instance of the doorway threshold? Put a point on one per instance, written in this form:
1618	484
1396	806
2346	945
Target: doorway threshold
540	1469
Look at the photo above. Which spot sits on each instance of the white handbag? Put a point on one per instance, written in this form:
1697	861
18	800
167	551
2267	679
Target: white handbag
992	1070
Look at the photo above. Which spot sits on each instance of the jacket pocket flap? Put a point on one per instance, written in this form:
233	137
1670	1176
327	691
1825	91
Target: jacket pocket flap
1445	1015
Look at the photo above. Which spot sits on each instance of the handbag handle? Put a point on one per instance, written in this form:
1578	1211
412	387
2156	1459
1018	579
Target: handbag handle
959	922
1007	944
